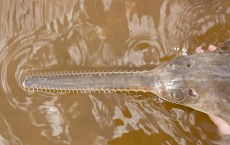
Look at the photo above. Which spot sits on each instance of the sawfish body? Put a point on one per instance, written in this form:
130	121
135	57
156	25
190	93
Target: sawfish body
200	81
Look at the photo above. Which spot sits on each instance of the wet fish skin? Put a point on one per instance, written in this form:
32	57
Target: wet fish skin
200	81
87	81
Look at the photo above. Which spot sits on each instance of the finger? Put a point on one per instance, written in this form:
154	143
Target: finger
223	127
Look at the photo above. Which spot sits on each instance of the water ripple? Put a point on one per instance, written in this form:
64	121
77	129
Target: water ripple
143	44
182	21
6	134
19	56
63	34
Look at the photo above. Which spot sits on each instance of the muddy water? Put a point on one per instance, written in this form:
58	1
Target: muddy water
77	34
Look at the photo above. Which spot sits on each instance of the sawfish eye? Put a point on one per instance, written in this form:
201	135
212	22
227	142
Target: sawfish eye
178	96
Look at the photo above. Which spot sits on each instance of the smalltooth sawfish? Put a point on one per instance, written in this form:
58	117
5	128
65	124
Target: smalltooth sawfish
200	81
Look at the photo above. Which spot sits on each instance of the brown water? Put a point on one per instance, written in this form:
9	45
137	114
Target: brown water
131	34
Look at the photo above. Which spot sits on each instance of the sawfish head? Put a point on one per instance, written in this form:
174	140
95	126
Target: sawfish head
199	81
173	84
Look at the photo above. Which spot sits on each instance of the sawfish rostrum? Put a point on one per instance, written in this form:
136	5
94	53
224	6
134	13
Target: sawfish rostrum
200	81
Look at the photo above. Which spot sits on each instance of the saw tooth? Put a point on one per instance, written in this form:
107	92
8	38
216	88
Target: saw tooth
30	89
84	90
48	90
65	91
35	89
88	90
119	90
113	90
59	90
39	89
108	90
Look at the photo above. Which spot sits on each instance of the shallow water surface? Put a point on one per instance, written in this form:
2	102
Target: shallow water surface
64	35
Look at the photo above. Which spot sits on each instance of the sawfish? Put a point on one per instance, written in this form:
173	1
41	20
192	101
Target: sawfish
200	81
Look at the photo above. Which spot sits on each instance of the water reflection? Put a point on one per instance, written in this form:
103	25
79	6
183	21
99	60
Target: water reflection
73	34
7	136
143	44
182	22
52	123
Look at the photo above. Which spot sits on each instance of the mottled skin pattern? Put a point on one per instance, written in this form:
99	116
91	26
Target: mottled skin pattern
200	81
